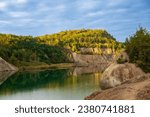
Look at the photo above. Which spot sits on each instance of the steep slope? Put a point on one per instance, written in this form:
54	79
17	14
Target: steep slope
4	66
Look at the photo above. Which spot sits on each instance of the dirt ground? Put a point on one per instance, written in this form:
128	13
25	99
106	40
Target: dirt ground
137	88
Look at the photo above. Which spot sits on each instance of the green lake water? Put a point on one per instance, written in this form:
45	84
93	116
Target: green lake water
56	84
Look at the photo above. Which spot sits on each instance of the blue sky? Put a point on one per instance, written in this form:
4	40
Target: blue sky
121	18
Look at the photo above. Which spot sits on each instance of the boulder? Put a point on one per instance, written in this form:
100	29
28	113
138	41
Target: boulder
116	74
5	66
137	88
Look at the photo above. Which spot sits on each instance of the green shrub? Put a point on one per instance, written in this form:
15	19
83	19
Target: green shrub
138	48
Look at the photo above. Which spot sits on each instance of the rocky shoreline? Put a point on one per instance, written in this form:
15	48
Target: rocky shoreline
6	70
5	66
123	82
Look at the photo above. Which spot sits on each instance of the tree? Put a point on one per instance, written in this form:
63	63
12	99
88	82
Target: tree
138	48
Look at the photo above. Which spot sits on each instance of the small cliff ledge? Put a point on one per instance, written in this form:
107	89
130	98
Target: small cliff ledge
5	66
116	74
94	60
137	88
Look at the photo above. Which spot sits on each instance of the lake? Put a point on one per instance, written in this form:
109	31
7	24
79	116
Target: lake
54	84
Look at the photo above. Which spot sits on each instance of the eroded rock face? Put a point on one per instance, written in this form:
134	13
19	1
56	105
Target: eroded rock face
4	66
94	60
137	88
97	51
116	74
87	50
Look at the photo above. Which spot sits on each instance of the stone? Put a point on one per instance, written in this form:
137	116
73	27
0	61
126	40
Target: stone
137	88
5	66
94	60
116	74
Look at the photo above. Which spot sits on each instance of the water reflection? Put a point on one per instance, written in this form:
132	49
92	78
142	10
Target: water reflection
50	84
90	69
4	75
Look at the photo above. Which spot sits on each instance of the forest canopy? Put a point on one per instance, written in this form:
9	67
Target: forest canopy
76	39
53	48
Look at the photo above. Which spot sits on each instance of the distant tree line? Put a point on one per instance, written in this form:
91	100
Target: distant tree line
53	48
20	49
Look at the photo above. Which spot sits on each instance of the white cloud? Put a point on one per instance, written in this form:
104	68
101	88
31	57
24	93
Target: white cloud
113	3
5	22
60	8
3	5
20	1
43	8
92	14
106	12
18	14
24	22
87	5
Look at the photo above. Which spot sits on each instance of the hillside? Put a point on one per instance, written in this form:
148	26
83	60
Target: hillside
54	48
77	39
4	66
27	50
